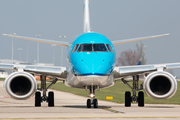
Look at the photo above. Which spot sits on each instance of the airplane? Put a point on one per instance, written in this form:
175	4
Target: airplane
91	57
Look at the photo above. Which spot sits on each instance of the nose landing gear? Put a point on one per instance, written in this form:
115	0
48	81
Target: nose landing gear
92	101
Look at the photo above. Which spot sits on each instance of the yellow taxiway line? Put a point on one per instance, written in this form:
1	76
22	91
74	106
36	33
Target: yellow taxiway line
93	117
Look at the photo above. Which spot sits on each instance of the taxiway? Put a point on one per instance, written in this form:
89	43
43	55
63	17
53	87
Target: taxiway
70	106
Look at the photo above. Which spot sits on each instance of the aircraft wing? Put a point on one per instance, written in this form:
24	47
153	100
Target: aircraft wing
137	39
60	43
49	71
126	71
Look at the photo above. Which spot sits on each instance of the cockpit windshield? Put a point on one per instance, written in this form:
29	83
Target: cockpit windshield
109	47
92	48
99	48
75	48
85	48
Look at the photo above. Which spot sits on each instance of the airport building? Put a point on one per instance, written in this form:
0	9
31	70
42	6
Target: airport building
9	61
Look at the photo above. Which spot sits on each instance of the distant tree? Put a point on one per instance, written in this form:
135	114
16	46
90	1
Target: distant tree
128	57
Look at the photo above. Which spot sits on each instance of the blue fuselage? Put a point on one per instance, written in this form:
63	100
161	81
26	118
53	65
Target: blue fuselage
92	54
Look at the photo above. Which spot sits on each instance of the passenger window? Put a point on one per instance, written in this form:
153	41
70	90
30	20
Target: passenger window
99	48
109	47
75	48
85	48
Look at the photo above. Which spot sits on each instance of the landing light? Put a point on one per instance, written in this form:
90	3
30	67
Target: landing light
92	95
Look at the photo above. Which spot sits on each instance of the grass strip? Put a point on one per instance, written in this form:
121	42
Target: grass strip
117	92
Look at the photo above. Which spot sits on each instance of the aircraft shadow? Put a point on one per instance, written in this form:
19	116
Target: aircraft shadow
159	107
82	106
17	107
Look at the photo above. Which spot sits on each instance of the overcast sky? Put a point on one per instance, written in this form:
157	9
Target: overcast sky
117	19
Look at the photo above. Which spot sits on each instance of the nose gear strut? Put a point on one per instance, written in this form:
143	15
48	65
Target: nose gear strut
92	101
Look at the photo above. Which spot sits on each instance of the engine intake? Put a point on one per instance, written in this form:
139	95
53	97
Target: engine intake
20	85
160	85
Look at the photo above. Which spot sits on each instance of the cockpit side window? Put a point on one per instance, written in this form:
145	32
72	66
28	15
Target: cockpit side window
85	48
109	47
75	48
99	48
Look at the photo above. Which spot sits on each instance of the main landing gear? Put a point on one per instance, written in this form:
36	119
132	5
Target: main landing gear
92	101
44	97
128	98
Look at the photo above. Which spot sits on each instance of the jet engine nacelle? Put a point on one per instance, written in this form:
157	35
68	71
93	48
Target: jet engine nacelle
20	85
160	85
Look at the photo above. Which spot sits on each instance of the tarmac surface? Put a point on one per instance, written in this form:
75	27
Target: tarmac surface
70	106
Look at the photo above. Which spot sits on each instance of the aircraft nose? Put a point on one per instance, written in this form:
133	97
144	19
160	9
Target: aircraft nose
88	65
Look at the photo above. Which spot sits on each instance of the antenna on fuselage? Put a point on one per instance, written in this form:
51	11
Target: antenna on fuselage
86	17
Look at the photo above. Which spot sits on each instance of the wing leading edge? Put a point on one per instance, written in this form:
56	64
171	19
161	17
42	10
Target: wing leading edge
137	39
50	71
125	71
60	43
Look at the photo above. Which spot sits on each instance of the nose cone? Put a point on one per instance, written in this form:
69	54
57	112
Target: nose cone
93	63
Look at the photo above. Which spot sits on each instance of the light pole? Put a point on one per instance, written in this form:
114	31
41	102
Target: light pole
12	44
20	49
143	55
141	51
53	53
62	49
37	35
27	52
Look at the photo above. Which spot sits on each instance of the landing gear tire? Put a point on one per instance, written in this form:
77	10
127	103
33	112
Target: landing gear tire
38	99
141	99
88	103
95	103
51	99
127	99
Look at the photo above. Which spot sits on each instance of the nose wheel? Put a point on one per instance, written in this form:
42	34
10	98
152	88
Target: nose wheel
93	102
88	103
